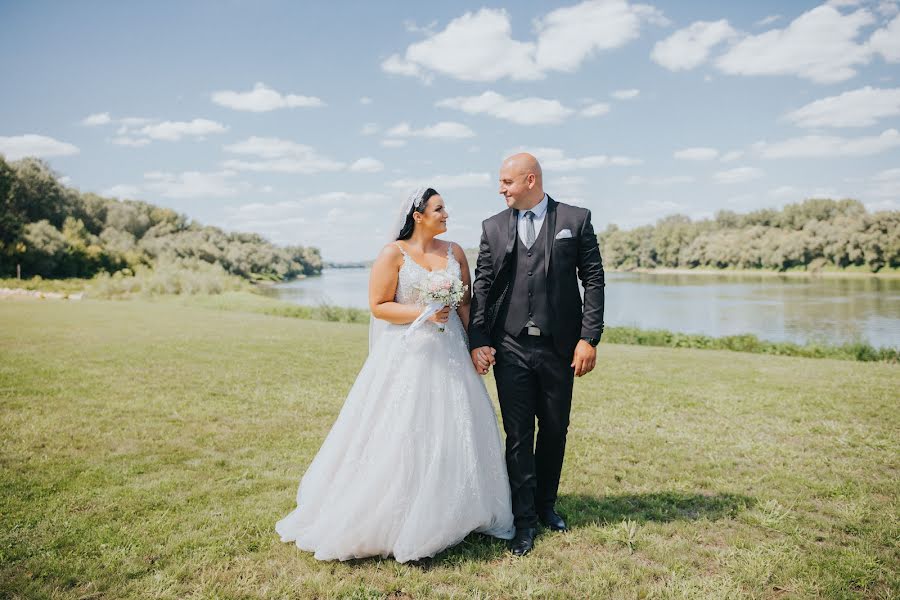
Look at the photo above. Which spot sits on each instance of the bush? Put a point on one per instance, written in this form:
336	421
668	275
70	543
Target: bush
180	276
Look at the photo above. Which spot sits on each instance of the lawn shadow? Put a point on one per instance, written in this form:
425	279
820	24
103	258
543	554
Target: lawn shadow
581	510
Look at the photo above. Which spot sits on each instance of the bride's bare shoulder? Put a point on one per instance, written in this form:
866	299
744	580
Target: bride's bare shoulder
390	252
458	252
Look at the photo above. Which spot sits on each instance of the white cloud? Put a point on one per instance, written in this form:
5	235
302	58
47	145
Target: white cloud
365	100
820	146
395	65
367	165
886	41
663	181
738	175
473	47
625	94
478	46
173	131
369	129
856	108
689	47
445	130
393	143
40	146
412	27
122	191
885	185
312	220
279	156
887	175
135	122
285	165
820	45
785	192
136	132
124	140
567	188
266	147
570	35
263	99
444	182
554	159
191	184
699	153
768	20
595	110
657	209
525	111
732	156
888	8
96	119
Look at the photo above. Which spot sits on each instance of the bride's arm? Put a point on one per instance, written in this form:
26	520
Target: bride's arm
383	287
465	305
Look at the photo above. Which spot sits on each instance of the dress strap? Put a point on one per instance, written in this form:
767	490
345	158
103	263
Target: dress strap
451	257
401	248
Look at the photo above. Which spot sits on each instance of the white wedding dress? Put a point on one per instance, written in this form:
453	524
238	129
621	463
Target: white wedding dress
414	461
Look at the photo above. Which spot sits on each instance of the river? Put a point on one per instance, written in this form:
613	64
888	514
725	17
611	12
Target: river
832	310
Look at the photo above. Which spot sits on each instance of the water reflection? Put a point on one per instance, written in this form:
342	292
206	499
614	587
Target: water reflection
778	308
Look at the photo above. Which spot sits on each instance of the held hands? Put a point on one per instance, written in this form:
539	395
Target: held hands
441	316
585	358
483	358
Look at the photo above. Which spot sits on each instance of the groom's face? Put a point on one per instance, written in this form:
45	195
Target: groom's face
516	187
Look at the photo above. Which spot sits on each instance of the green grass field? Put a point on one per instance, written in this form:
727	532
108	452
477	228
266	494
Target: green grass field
149	447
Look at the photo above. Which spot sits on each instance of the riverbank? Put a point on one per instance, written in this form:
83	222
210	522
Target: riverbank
861	351
842	273
150	447
255	303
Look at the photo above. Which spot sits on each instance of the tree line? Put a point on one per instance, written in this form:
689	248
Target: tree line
54	231
811	235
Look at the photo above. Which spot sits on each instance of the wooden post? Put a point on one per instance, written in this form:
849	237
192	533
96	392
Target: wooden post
18	271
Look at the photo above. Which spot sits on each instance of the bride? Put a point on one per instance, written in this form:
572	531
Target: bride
414	461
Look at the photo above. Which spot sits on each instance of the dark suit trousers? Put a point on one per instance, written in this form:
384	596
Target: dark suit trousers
533	380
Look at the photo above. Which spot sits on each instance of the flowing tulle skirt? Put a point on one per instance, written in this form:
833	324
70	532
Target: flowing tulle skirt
414	461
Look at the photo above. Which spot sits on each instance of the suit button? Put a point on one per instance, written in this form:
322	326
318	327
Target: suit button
529	273
529	254
530	294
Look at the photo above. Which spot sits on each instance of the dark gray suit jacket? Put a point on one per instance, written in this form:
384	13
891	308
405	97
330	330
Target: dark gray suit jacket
566	261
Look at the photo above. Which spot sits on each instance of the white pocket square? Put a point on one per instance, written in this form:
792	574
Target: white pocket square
564	234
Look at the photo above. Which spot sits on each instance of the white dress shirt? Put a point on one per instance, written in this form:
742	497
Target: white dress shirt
540	211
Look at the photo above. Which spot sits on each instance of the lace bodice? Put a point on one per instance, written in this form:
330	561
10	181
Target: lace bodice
412	273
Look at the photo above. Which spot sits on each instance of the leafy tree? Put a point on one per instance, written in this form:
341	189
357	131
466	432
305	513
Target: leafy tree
810	234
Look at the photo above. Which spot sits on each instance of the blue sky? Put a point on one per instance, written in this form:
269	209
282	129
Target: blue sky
308	122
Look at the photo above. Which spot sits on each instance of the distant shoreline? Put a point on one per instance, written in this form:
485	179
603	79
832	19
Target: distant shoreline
764	272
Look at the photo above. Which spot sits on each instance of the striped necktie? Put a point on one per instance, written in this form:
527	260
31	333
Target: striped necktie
529	229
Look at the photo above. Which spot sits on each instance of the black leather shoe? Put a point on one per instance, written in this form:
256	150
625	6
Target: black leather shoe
551	519
523	542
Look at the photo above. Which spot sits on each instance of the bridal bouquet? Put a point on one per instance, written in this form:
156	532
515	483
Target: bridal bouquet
436	291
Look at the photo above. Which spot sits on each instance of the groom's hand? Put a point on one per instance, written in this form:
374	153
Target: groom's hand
585	358
483	358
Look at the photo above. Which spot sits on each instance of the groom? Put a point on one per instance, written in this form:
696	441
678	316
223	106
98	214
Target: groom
528	321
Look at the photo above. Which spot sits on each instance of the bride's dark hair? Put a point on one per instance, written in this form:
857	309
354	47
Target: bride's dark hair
418	207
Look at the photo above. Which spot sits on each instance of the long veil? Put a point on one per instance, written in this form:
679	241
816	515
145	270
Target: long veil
378	326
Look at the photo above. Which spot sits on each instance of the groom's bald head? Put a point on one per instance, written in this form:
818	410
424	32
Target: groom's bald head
521	181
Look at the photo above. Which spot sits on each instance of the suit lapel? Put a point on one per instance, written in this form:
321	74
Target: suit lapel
550	227
512	235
